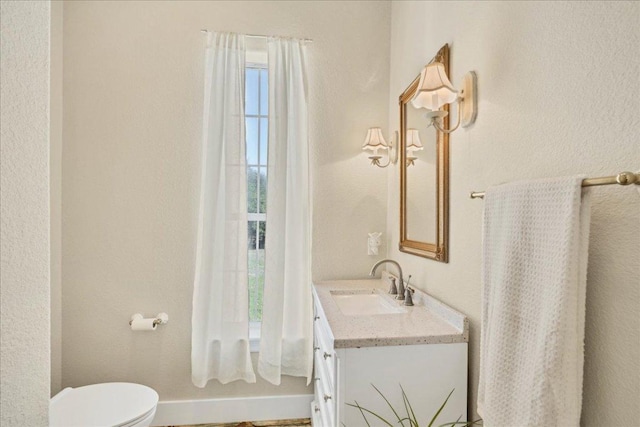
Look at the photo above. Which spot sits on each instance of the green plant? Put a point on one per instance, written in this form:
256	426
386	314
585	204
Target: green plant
410	414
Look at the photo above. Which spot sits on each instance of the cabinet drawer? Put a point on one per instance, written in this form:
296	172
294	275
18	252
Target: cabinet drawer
321	370
316	416
323	344
321	324
324	358
325	402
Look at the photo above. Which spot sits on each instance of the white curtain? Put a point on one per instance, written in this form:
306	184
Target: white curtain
286	346
220	322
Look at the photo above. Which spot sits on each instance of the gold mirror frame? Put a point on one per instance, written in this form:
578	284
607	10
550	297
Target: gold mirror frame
437	250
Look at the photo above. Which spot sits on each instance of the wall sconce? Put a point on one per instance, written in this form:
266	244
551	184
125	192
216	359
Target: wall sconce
413	145
374	142
435	90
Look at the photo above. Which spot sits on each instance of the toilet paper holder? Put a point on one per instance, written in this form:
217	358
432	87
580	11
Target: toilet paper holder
161	318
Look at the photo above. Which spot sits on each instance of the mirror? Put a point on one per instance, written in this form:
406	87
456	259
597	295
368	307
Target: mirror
424	177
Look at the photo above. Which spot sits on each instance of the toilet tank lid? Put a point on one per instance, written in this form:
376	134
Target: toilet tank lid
106	404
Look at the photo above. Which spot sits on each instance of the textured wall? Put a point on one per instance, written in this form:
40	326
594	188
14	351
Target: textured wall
56	195
133	90
559	94
24	213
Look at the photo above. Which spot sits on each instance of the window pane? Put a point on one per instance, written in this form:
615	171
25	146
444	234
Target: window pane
256	286
251	91
252	190
264	140
252	236
256	276
263	190
262	233
264	92
251	137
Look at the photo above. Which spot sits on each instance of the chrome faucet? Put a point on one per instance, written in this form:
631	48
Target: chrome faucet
400	295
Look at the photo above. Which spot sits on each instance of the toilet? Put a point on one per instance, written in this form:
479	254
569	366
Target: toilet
104	405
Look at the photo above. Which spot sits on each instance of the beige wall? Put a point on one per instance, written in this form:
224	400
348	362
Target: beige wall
56	194
133	93
24	213
558	95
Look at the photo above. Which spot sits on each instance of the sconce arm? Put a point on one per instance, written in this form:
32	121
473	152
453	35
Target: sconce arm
375	161
435	121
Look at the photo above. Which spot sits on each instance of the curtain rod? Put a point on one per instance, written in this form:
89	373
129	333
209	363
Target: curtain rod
258	36
623	178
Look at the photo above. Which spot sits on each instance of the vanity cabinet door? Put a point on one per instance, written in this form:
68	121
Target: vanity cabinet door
324	386
325	373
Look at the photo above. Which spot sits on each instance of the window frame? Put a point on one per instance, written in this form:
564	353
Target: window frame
256	60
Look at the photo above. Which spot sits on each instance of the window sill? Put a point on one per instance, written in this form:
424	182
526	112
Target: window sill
254	336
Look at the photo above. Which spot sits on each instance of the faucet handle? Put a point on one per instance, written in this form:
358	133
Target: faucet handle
393	289
408	292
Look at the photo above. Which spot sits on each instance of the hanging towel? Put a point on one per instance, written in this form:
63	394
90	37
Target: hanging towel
534	272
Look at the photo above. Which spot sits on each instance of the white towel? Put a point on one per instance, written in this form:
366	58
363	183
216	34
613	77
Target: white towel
534	273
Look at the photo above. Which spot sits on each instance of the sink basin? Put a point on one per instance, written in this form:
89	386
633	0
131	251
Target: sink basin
364	303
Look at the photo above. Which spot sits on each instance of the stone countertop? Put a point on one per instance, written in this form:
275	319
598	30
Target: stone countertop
429	321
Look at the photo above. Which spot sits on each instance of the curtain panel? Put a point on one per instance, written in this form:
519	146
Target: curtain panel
220	322
286	344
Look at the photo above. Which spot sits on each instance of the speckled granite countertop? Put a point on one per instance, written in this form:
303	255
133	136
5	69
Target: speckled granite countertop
429	321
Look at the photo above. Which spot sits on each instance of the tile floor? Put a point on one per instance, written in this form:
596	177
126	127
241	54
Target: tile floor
304	422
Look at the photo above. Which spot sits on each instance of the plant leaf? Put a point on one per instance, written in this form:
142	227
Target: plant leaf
411	422
390	406
372	413
440	410
453	424
362	412
413	419
461	423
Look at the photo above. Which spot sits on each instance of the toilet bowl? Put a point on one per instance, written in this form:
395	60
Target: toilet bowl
104	405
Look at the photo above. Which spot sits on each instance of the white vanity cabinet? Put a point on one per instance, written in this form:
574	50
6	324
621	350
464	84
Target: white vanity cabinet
353	352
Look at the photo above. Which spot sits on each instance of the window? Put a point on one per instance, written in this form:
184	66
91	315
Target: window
256	125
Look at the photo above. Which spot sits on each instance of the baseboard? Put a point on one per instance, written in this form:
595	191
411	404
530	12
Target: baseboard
229	410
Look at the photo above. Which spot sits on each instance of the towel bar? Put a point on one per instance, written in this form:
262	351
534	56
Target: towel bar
623	178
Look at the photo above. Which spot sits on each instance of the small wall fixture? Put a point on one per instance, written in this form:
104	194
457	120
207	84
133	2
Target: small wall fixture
413	145
374	142
435	90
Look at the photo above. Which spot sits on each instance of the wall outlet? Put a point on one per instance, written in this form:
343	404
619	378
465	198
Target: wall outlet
373	243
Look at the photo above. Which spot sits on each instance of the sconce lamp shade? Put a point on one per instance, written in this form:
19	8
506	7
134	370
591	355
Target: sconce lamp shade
374	140
413	140
434	88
